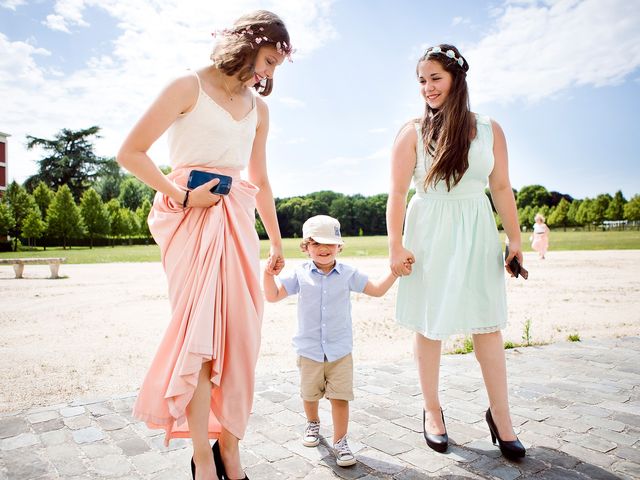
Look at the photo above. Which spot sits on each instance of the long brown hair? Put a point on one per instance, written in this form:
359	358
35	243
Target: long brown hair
236	52
447	132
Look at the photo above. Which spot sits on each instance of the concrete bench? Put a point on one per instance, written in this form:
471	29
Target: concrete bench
19	263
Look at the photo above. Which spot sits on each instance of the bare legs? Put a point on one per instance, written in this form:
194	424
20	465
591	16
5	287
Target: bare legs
198	418
489	351
427	353
339	413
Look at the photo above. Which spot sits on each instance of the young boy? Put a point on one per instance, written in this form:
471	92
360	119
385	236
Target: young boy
325	340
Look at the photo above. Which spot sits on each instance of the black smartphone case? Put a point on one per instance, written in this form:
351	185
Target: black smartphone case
198	177
514	264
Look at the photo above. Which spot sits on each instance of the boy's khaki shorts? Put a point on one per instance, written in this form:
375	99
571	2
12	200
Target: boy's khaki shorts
333	380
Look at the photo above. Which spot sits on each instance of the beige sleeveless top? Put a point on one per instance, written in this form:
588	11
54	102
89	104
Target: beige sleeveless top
209	136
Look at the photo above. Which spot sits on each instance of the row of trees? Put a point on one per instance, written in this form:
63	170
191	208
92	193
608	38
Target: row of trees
564	211
54	218
77	195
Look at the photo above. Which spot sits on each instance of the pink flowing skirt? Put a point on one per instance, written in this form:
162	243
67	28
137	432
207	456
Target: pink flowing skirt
540	243
211	258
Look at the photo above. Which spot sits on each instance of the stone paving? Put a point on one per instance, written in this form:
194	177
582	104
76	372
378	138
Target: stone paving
576	407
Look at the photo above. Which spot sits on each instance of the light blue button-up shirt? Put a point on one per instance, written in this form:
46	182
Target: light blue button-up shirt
324	309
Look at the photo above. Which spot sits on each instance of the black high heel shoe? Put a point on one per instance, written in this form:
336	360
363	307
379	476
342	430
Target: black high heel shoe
512	449
217	459
439	443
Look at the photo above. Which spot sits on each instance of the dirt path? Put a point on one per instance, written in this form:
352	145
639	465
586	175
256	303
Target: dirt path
94	332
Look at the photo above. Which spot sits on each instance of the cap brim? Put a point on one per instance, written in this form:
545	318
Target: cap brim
328	240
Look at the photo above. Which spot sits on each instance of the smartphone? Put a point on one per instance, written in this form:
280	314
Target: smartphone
514	265
198	177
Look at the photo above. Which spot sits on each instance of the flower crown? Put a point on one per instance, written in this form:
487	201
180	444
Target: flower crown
449	53
281	47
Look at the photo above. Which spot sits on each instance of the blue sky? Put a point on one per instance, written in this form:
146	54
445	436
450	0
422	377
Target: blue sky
561	77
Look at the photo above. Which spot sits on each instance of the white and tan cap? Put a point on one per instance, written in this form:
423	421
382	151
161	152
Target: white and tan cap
322	229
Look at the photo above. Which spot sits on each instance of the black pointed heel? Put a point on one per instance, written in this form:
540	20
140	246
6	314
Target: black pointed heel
217	459
513	449
439	443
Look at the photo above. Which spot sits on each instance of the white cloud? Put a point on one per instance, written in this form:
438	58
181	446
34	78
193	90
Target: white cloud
154	41
379	130
540	48
67	13
12	4
460	21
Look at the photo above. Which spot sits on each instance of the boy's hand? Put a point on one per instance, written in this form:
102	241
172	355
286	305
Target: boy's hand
401	261
275	262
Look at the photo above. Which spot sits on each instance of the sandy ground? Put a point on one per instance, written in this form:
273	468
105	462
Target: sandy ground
94	332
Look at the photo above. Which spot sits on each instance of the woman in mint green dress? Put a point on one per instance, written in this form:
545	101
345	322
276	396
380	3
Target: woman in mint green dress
450	257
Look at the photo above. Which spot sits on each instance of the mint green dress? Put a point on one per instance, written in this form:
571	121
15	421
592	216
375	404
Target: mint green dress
457	284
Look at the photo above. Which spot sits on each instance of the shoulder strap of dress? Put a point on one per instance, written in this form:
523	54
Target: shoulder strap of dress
198	79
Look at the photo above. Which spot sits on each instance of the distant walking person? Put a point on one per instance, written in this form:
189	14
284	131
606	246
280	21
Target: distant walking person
201	381
450	257
540	237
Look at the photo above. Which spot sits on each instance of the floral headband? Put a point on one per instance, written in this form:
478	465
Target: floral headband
449	53
281	47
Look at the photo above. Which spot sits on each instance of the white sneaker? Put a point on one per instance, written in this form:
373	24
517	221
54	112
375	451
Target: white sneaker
344	457
311	437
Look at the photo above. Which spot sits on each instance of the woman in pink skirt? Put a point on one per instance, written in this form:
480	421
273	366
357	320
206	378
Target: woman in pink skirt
200	384
540	237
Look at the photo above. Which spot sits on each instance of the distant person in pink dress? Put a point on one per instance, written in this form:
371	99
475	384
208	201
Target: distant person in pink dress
540	237
201	381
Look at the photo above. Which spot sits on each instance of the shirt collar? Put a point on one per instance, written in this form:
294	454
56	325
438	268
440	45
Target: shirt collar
336	268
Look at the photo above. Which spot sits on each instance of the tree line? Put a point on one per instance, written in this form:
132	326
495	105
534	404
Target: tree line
77	197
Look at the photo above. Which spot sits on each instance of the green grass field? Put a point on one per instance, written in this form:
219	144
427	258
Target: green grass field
354	247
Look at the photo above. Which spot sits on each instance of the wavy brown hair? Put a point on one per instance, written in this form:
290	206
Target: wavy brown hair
447	132
236	52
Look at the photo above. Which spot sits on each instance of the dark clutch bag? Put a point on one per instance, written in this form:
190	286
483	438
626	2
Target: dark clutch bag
514	265
198	177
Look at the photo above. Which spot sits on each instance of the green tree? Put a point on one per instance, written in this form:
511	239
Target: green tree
94	215
33	226
573	212
584	216
132	193
533	195
130	221
560	215
120	227
599	207
342	209
293	212
108	179
63	217
7	222
43	196
143	213
70	160
21	204
632	209
526	216
615	210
